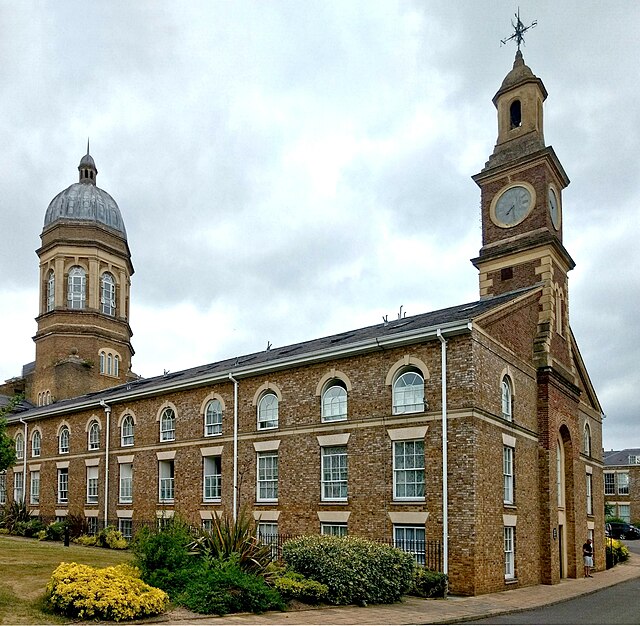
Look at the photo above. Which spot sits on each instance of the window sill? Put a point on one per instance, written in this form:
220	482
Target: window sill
338	502
218	501
166	502
510	581
213	435
409	501
266	502
509	505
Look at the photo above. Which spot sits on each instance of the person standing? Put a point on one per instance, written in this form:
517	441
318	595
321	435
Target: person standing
587	555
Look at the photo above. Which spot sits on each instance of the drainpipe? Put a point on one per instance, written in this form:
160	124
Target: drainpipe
24	462
107	412
235	446
445	496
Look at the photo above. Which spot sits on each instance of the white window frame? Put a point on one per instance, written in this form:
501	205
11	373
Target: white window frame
213	418
94	435
51	291
19	444
267	476
408	395
408	470
609	485
125	487
586	440
508	474
334	402
589	494
108	294
509	552
506	395
624	512
335	529
77	288
34	487
623	483
127	429
168	425
92	484
64	437
211	478
268	411
125	526
36	449
18	487
166	480
334	474
411	539
63	485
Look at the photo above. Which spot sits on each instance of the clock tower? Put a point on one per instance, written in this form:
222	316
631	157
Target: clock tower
521	202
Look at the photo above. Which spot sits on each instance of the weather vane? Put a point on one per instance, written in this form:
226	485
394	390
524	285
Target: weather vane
520	30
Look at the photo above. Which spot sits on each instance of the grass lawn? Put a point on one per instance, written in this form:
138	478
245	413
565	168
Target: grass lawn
25	568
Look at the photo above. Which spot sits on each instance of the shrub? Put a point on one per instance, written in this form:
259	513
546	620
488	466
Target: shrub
13	514
54	531
225	587
294	586
109	537
428	584
355	570
85	540
30	528
235	540
111	593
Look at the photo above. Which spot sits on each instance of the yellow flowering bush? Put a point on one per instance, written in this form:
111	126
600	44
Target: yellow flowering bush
110	593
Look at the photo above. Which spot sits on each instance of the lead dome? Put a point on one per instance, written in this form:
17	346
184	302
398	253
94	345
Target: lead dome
84	201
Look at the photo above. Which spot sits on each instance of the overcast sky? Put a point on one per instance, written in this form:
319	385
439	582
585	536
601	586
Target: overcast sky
291	169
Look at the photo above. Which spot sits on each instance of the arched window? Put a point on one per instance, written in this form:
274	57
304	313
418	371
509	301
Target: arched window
103	362
108	294
213	419
19	446
168	425
109	363
94	436
51	290
77	288
36	443
408	392
515	114
47	397
116	365
63	440
586	440
560	474
268	411
126	431
334	402
507	398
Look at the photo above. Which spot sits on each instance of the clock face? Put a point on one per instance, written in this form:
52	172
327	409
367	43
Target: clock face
554	209
513	205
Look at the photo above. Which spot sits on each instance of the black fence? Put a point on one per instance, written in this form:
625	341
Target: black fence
426	553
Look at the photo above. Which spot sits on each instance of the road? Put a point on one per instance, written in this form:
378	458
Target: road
613	605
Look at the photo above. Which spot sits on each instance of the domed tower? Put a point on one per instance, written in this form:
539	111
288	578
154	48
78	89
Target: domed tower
83	342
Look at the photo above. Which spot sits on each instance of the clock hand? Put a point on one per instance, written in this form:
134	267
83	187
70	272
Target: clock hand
513	206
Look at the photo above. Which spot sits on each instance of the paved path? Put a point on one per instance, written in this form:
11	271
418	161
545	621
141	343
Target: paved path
420	611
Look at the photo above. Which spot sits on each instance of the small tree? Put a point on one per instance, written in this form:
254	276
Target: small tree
7	445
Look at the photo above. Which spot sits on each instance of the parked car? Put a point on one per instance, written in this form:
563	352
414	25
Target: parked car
622	530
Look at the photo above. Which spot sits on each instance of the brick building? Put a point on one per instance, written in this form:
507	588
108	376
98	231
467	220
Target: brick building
475	425
622	483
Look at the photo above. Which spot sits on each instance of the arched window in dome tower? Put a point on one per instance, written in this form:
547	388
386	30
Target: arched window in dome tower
108	294
77	288
51	288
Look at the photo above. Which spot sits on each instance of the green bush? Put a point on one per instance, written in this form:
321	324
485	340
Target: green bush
54	531
225	587
235	540
428	584
14	513
30	528
294	586
355	570
109	537
111	593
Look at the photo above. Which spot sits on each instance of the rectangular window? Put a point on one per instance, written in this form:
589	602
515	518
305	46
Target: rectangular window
267	476
125	526
509	553
507	474
212	478
411	539
624	512
589	495
207	525
609	484
126	483
3	488
338	530
92	525
92	485
334	473
34	491
408	470
623	483
268	535
18	487
165	476
63	485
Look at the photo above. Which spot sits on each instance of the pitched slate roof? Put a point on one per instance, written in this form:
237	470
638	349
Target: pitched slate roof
620	457
407	330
